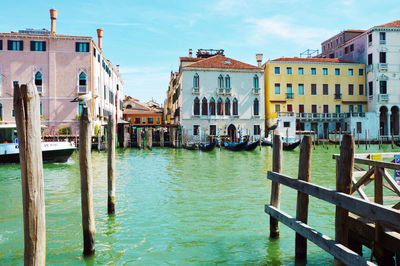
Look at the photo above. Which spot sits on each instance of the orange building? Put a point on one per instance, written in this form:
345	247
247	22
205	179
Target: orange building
142	114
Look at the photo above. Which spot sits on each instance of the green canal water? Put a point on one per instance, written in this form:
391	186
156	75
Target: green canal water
173	207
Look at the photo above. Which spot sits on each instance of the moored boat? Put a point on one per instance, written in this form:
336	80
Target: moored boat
234	146
251	146
191	147
207	147
290	146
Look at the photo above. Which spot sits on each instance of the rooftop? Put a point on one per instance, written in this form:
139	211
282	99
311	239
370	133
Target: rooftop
393	24
319	60
220	61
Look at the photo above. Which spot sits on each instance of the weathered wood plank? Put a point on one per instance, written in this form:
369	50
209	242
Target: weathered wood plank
85	165
363	180
339	251
370	210
27	117
302	198
359	190
275	187
367	155
380	164
391	182
111	165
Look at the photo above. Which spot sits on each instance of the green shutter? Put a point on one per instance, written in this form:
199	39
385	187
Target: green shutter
21	45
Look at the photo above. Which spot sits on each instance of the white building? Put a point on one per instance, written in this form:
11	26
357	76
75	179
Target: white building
378	48
220	95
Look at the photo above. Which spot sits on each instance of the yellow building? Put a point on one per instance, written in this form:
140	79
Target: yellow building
321	93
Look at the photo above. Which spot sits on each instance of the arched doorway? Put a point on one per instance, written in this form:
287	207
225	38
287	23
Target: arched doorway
383	126
394	120
232	133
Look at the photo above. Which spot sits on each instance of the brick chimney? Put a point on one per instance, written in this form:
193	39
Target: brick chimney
100	37
259	59
190	52
53	17
118	68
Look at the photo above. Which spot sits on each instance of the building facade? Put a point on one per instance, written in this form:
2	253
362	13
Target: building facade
62	67
315	94
142	114
214	94
379	49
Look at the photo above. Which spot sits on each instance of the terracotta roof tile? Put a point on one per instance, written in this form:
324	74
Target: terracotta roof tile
322	60
220	61
193	59
393	24
41	35
355	31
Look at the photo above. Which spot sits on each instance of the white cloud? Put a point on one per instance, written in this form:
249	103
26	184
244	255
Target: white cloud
262	30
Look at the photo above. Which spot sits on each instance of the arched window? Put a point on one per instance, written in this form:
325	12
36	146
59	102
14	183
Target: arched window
227	82
196	106
235	107
129	106
196	81
212	106
220	107
227	107
256	106
204	107
220	81
38	81
255	82
82	82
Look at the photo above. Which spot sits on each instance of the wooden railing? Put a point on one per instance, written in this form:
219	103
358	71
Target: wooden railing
346	248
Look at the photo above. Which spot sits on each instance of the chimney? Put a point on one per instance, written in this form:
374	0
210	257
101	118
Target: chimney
118	68
190	52
259	59
99	36
53	17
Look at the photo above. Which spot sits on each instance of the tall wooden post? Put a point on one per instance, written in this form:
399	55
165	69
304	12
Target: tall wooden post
302	198
139	137
173	137
85	164
343	184
111	165
27	117
161	137
149	138
275	187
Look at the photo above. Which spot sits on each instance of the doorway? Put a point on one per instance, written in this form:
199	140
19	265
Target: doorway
232	133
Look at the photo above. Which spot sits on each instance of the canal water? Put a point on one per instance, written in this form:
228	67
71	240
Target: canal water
173	207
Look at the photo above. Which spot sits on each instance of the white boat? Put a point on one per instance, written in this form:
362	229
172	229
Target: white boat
52	151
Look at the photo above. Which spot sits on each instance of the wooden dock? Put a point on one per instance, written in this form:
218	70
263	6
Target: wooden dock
359	221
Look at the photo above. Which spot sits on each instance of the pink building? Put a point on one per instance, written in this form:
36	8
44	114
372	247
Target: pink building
63	67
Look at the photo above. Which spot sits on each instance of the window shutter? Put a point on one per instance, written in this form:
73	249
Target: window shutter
32	46
44	46
9	45
21	45
1	47
77	47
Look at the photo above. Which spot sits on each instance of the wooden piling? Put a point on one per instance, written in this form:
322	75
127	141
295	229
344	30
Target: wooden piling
275	187
302	198
344	176
366	142
111	165
139	138
85	164
173	137
392	140
27	117
149	138
161	138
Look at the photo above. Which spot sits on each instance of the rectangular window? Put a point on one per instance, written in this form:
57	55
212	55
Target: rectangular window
359	128
338	94
301	89
346	50
326	108
98	58
325	89
286	124
15	83
196	130
337	71
351	47
277	88
351	72
289	70
301	71
12	113
80	107
277	70
313	89
361	89
15	45
313	71
38	46
277	108
359	108
143	120
213	130
1	45
150	120
370	38
361	72
369	59
351	89
105	92
289	108
382	36
94	52
137	120
351	108
158	120
337	108
325	71
313	108
257	130
382	57
289	92
370	88
82	47
383	87
301	108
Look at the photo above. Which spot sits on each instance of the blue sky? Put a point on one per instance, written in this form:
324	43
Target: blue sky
146	38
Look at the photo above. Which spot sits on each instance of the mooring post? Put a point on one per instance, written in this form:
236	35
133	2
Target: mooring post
275	187
302	198
392	139
344	173
27	117
161	137
111	165
149	138
85	164
139	137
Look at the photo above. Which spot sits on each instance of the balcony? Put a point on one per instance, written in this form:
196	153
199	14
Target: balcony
289	95
383	97
82	89
382	41
195	91
370	68
220	91
228	91
256	91
318	116
370	97
383	66
338	96
39	89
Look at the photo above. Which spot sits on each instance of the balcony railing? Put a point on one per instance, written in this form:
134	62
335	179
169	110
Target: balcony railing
82	89
338	96
228	91
220	91
383	97
196	91
382	41
289	95
319	116
383	66
370	68
256	91
39	88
